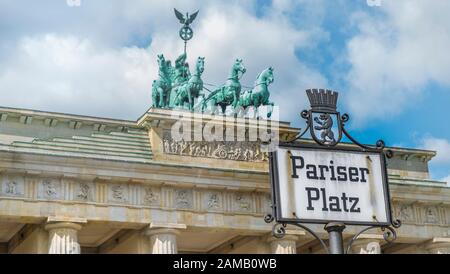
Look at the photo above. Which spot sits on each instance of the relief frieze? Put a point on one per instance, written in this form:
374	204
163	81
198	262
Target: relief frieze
151	196
225	150
431	215
242	202
84	191
183	198
208	200
213	201
118	193
12	185
49	189
405	213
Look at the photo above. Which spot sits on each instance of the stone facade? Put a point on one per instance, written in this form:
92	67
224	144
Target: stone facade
73	184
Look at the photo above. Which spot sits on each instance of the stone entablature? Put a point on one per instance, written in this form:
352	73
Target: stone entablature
143	141
422	213
160	196
194	199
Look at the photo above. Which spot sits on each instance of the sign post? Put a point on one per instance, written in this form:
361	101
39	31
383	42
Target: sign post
335	234
328	182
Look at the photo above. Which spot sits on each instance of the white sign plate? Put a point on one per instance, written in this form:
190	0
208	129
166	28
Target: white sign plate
316	185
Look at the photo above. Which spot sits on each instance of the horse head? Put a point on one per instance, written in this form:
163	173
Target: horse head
238	66
200	65
266	77
161	61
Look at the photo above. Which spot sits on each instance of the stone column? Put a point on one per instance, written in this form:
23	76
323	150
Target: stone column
438	246
285	245
366	246
63	238
163	240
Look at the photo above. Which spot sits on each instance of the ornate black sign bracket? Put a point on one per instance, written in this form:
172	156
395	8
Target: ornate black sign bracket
323	117
327	127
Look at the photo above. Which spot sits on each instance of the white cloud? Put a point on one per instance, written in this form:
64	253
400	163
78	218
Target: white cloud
441	146
91	72
396	54
446	179
68	74
441	162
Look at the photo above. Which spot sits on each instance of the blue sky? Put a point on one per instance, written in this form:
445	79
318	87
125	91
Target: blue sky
389	62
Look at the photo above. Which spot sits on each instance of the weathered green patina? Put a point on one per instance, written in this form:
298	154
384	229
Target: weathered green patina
258	96
192	89
176	88
179	75
228	94
161	87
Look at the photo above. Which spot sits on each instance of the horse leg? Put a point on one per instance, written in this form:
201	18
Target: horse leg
203	105
254	104
213	107
154	98
255	112
178	98
167	98
158	96
161	97
269	114
243	112
237	111
190	100
224	109
164	98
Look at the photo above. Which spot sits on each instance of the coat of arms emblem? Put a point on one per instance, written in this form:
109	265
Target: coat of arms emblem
324	121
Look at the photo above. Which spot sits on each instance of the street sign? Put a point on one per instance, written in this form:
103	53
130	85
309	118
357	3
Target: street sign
316	184
323	181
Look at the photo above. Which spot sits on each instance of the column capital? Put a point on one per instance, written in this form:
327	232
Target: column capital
285	245
158	231
63	237
163	240
164	228
59	219
155	225
63	225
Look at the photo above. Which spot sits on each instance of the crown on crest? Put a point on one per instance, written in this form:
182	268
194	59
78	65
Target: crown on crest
322	100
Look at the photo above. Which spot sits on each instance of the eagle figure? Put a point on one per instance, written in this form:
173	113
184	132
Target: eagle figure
186	20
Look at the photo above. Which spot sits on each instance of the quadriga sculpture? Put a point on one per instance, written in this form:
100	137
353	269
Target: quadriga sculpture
161	87
191	90
258	96
229	93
